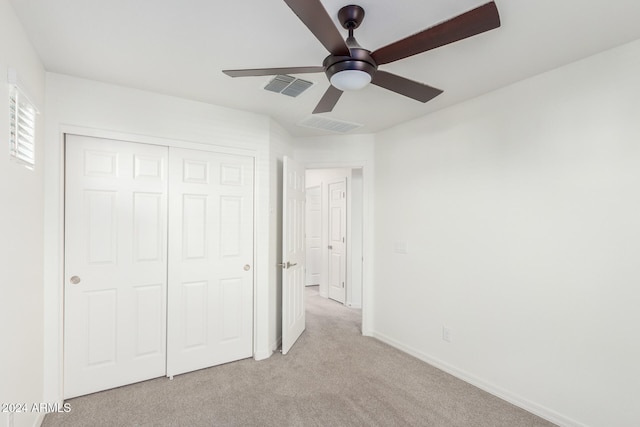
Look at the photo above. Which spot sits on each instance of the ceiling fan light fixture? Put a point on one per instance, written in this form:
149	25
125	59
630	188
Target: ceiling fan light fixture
351	67
350	80
354	73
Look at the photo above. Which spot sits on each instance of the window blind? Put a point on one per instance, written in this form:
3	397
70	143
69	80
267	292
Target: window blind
22	118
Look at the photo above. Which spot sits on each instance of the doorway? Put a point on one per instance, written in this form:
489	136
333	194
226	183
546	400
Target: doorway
334	233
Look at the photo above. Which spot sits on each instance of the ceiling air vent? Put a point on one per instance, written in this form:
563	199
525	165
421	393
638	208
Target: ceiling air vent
331	125
288	85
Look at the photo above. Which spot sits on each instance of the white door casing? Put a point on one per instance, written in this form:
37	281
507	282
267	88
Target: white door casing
313	235
293	253
337	240
210	293
115	263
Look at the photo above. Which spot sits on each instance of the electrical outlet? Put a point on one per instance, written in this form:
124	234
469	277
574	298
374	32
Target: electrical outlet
446	334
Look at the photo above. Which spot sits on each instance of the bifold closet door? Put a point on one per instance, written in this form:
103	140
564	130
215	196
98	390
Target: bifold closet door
115	263
210	290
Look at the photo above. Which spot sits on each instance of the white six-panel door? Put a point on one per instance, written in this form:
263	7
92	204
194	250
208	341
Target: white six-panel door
337	244
115	263
140	306
313	235
210	260
293	254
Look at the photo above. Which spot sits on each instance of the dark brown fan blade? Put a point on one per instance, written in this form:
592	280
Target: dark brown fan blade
328	101
316	18
272	71
416	90
476	21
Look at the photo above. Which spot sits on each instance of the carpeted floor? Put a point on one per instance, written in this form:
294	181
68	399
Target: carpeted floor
332	377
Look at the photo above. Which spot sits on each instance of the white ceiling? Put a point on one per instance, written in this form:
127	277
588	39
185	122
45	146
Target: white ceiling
179	47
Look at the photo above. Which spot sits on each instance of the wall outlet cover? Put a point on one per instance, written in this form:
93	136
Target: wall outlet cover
446	334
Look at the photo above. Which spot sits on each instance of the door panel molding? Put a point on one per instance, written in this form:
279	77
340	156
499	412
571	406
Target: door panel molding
293	253
144	230
109	303
212	243
337	240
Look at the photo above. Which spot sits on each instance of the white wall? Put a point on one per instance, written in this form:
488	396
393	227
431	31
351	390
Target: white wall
21	219
354	292
87	106
349	151
520	213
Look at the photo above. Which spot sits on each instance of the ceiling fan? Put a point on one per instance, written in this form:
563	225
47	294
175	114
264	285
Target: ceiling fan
351	67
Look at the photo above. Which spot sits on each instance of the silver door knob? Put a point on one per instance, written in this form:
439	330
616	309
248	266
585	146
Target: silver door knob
287	264
247	267
74	280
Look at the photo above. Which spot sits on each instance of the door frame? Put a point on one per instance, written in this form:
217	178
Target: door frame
367	232
54	344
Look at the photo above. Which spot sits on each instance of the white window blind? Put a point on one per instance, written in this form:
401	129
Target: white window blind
22	119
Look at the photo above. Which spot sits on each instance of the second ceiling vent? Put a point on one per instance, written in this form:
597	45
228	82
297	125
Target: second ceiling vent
288	85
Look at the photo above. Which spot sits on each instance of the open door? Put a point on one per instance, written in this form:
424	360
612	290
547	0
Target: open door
293	254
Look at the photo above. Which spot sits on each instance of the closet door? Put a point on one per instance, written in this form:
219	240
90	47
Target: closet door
210	292
115	263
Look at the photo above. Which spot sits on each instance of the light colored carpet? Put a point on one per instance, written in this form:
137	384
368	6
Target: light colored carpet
332	377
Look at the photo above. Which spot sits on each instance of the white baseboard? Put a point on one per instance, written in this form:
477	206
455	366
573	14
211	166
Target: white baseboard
10	419
277	344
262	355
527	405
38	421
267	354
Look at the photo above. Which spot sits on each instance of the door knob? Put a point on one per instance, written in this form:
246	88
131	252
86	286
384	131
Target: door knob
74	280
247	267
330	247
287	264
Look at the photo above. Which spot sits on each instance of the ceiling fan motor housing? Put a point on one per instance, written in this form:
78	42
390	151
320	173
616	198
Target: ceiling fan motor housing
360	60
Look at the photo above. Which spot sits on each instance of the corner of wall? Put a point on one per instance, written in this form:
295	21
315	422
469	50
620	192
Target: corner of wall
22	219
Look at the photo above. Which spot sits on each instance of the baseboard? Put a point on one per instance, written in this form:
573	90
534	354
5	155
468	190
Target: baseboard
262	355
277	344
10	419
38	421
267	354
527	405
